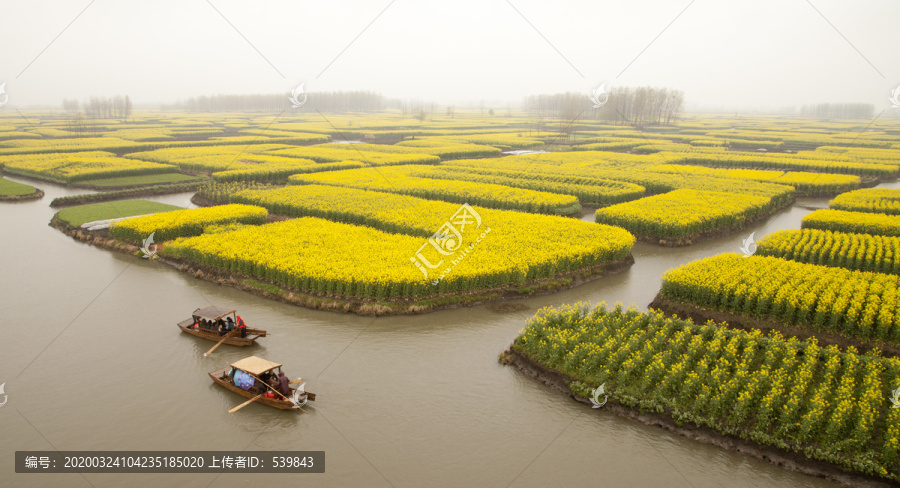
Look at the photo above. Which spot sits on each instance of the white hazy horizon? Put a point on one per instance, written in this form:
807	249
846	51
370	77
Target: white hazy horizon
725	56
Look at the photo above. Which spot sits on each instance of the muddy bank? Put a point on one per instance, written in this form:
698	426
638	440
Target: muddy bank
37	195
273	291
780	457
99	238
700	315
201	201
357	306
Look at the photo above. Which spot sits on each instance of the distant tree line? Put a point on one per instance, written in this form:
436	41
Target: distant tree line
640	106
95	108
839	110
117	107
339	101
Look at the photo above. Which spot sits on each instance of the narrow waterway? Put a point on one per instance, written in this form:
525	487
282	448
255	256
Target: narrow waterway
92	360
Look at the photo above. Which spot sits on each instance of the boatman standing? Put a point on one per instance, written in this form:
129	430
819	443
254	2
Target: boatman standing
283	384
242	326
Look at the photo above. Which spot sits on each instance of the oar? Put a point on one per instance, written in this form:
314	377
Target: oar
207	353
248	402
276	391
298	380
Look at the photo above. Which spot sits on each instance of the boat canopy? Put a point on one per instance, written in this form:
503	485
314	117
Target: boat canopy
254	365
212	313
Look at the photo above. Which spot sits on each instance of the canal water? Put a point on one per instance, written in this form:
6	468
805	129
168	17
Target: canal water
92	360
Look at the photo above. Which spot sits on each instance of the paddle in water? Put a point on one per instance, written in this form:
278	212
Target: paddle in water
248	402
207	353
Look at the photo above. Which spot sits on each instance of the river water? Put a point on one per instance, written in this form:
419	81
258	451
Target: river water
92	360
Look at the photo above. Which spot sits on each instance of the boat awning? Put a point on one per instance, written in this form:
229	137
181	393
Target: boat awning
255	365
212	313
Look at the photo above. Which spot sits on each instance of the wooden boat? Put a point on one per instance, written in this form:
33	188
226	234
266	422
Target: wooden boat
257	367
215	314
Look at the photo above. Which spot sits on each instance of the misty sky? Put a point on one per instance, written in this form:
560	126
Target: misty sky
723	54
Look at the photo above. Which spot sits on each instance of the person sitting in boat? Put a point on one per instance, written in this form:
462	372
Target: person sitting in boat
229	324
268	378
284	386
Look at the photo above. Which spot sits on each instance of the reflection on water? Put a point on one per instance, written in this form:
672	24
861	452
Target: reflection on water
93	359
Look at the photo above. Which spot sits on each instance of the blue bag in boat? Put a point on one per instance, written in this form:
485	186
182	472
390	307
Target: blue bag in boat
243	379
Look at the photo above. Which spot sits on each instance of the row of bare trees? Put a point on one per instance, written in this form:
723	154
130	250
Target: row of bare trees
117	107
642	106
340	101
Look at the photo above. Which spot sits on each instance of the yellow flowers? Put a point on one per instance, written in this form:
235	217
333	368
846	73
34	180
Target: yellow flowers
856	222
319	256
280	171
585	167
682	213
216	157
448	149
520	248
371	158
820	297
862	252
786	161
78	166
805	183
790	394
315	255
34	146
397	180
874	200
596	192
181	223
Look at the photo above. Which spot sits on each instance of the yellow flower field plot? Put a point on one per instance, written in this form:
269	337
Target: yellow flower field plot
444	149
583	167
371	158
862	155
819	138
4	136
874	200
683	213
280	171
597	192
318	256
216	158
858	252
857	304
183	223
820	402
74	167
35	146
618	145
163	133
518	249
146	134
742	144
278	136
397	180
500	140
805	183
672	147
785	162
855	222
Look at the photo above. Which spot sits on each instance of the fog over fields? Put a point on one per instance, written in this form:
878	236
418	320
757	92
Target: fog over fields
751	56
